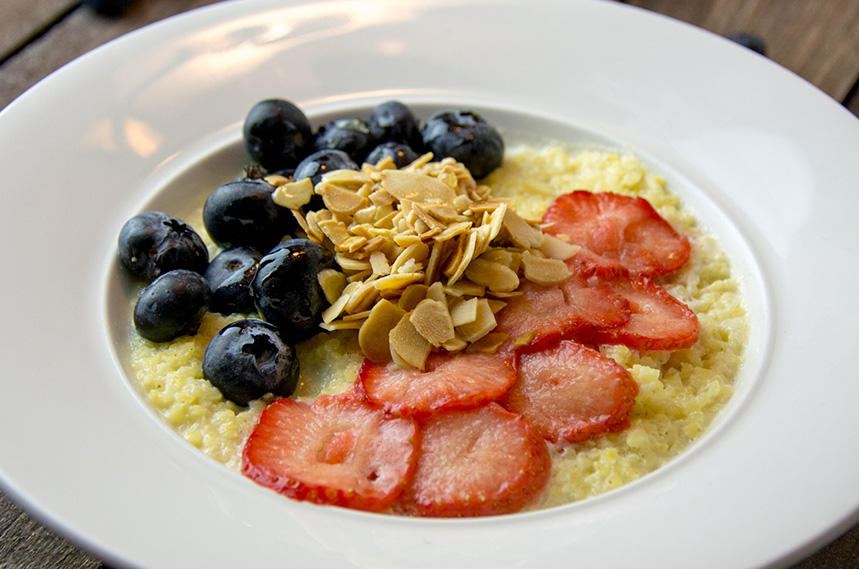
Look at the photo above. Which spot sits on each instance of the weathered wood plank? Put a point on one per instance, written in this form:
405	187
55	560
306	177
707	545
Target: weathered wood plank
21	19
75	35
816	40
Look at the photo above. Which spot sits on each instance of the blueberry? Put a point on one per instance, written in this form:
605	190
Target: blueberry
242	214
152	243
393	121
352	136
402	154
230	275
248	359
286	288
322	161
466	137
277	134
751	41
171	305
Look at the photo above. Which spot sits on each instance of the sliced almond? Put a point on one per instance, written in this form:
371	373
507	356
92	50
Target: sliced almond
487	344
465	287
482	325
379	263
432	321
495	276
464	312
555	248
405	185
455	345
412	295
332	312
352	179
373	335
334	230
435	291
408	345
276	180
332	283
520	232
397	281
293	194
544	271
339	200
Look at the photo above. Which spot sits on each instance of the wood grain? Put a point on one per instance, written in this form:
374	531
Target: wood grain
21	20
818	40
80	32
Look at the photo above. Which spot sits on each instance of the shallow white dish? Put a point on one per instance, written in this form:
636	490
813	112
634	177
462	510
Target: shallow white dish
767	161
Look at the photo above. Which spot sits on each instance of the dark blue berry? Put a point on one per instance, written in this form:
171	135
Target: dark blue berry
401	154
172	305
230	275
751	41
152	243
393	121
466	137
277	134
248	359
242	214
316	165
352	136
286	288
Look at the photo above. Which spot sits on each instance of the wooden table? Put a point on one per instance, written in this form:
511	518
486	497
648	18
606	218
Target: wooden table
818	40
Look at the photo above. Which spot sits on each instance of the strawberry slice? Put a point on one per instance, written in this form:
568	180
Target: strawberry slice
478	462
571	392
618	229
338	450
542	315
657	321
451	381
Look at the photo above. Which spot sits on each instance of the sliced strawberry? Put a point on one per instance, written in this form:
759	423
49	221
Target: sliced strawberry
571	392
542	315
479	462
451	381
658	321
618	229
338	450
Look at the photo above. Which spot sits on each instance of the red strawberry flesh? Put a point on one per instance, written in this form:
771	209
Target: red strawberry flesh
450	381
618	229
571	392
337	450
478	462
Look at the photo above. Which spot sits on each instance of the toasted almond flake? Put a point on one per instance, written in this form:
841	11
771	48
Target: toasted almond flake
379	263
293	194
407	345
332	312
496	305
313	230
410	266
397	281
276	180
463	312
407	239
353	244
365	215
412	295
351	265
444	213
465	259
544	271
482	324
362	298
465	287
373	335
419	162
357	316
335	231
555	248
340	325
405	185
501	294
454	230
495	276
339	200
487	344
416	251
524	339
332	283
360	276
347	178
461	203
455	345
520	232
435	291
302	223
432	321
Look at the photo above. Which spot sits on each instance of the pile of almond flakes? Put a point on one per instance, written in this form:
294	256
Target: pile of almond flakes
426	255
